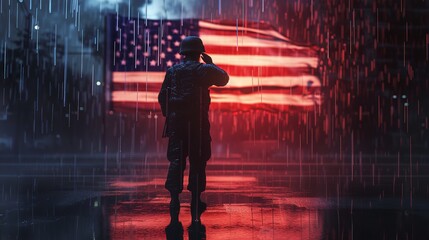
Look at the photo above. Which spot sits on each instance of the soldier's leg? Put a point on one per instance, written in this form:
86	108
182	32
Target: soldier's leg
176	154
198	157
197	176
197	185
199	154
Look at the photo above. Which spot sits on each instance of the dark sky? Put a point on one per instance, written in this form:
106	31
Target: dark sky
74	20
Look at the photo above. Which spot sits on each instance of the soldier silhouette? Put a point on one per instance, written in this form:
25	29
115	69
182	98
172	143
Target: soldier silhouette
185	99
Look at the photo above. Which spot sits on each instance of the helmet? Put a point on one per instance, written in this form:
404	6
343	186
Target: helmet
191	44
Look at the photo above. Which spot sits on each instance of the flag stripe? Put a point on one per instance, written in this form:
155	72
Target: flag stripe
239	34
217	40
213	26
234	81
264	61
258	71
254	71
154	87
259	51
266	98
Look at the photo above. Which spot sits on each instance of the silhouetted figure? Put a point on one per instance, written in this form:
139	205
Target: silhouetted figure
185	101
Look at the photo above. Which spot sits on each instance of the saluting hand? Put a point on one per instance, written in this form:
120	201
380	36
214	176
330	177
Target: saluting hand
206	58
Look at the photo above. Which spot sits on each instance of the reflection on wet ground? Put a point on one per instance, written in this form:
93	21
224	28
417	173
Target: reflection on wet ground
79	198
238	209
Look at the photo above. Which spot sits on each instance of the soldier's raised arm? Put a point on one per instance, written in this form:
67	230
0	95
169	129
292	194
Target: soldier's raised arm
212	73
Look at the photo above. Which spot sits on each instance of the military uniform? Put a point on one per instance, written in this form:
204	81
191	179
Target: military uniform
185	100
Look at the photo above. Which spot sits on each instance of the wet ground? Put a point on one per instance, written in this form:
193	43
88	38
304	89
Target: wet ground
102	197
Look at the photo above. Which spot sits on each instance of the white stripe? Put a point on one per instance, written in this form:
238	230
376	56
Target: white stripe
271	98
134	96
234	81
272	33
138	77
264	61
253	98
245	41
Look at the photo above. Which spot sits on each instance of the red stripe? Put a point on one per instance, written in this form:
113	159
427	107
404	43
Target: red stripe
265	71
154	87
259	51
248	24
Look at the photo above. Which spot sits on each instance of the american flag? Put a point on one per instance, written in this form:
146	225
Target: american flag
266	69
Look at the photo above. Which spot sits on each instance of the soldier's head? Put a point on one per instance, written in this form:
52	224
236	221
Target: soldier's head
191	47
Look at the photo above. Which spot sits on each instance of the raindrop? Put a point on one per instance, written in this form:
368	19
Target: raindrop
8	25
55	46
4	59
220	7
98	37
146	12
129	9
17	17
65	70
78	106
92	81
79	13
37	27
